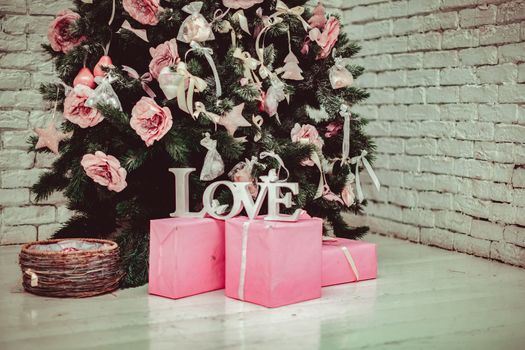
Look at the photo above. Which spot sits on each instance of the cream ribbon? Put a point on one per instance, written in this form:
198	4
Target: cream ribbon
244	249
34	277
240	17
361	159
141	33
345	113
258	121
351	262
185	102
272	154
282	9
144	79
200	108
249	63
113	8
207	52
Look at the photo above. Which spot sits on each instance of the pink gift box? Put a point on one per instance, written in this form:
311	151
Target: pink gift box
186	256
346	260
281	263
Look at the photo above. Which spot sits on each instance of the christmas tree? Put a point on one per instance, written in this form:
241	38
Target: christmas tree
148	85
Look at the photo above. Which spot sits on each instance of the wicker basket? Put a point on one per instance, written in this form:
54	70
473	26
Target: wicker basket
76	268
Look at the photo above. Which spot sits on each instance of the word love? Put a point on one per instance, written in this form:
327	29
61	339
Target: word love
241	198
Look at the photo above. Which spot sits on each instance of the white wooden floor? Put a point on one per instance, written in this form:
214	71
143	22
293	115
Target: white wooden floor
424	298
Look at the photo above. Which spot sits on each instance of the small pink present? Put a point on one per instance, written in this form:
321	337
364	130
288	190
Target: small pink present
346	260
186	256
273	263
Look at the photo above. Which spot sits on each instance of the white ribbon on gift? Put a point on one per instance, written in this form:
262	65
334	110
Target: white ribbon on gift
362	159
345	113
185	101
213	166
207	52
351	262
244	249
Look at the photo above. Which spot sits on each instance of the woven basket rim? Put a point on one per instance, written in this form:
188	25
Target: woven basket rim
108	246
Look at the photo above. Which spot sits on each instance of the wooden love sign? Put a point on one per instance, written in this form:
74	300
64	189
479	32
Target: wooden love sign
241	197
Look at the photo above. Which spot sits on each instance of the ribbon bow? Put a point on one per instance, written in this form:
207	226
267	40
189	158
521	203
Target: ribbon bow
194	84
200	108
344	111
207	52
362	159
144	79
249	63
282	9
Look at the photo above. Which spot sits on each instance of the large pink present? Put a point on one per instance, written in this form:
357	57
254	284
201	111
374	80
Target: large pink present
346	260
273	263
186	256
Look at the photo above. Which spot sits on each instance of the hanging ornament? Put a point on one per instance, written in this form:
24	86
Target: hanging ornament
104	62
291	69
347	194
104	93
49	137
233	119
340	77
318	19
195	27
273	97
213	166
240	4
169	82
85	77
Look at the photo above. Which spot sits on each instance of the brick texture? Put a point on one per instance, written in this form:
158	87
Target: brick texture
446	109
23	66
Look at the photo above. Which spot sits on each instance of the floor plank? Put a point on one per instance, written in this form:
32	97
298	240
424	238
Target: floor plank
424	298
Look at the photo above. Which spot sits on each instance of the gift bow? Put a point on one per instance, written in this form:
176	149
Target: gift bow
345	113
362	159
144	79
195	84
282	9
207	52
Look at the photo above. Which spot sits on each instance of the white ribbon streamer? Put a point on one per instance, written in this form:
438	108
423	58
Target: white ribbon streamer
351	262
345	113
244	248
361	159
207	52
195	84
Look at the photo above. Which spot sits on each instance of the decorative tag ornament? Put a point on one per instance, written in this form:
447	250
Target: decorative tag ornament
169	82
195	27
104	93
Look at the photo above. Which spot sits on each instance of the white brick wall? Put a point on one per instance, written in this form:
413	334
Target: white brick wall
23	66
448	114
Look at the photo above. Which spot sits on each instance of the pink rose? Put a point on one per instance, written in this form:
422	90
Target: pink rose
59	31
143	11
150	121
105	170
77	112
163	55
328	38
240	4
306	133
333	129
